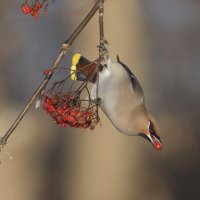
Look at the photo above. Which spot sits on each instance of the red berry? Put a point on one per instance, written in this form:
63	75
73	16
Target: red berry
63	124
73	112
70	119
66	109
46	72
157	145
65	118
26	9
38	5
88	114
61	111
51	108
79	114
35	13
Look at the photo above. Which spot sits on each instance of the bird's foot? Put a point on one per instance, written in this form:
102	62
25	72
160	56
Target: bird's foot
97	101
102	47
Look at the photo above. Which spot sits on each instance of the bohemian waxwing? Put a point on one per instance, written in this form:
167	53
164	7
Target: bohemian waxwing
120	96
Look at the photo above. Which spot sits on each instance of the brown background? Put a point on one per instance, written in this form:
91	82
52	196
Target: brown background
159	40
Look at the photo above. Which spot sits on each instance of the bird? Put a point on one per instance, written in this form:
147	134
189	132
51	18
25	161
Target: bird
120	96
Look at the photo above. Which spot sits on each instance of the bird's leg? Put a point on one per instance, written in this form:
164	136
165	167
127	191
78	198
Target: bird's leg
103	51
97	101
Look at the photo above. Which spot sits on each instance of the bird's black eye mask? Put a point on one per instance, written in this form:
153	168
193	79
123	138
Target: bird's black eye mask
153	138
152	132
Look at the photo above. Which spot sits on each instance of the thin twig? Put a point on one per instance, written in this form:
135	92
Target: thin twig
101	51
65	49
101	29
82	24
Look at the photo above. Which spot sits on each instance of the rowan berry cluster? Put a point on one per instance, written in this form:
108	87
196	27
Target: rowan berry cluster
67	111
34	8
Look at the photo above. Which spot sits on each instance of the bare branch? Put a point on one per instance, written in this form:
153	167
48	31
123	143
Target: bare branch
101	29
84	22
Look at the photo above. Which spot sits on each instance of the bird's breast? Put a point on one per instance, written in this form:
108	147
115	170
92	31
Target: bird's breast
118	97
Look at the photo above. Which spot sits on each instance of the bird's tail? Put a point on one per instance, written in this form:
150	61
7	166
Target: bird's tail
82	69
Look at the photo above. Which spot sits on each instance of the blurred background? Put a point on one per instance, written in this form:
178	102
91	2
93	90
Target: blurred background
160	41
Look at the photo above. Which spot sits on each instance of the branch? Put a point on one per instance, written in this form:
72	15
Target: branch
65	49
102	48
83	24
101	29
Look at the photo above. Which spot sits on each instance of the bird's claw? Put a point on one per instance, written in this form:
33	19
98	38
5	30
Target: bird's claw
102	48
97	101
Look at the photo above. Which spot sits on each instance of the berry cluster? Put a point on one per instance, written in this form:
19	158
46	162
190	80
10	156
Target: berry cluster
66	111
34	8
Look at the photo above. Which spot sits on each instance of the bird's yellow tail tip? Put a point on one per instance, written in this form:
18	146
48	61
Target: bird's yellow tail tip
75	61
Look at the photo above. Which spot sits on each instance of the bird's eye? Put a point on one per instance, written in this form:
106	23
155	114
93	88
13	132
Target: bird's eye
151	127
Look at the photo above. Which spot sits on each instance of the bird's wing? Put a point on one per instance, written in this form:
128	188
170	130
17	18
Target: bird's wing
135	83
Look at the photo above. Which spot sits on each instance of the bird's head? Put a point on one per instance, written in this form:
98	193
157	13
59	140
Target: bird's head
151	132
142	124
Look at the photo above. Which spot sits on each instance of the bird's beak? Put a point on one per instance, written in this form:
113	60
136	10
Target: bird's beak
155	140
